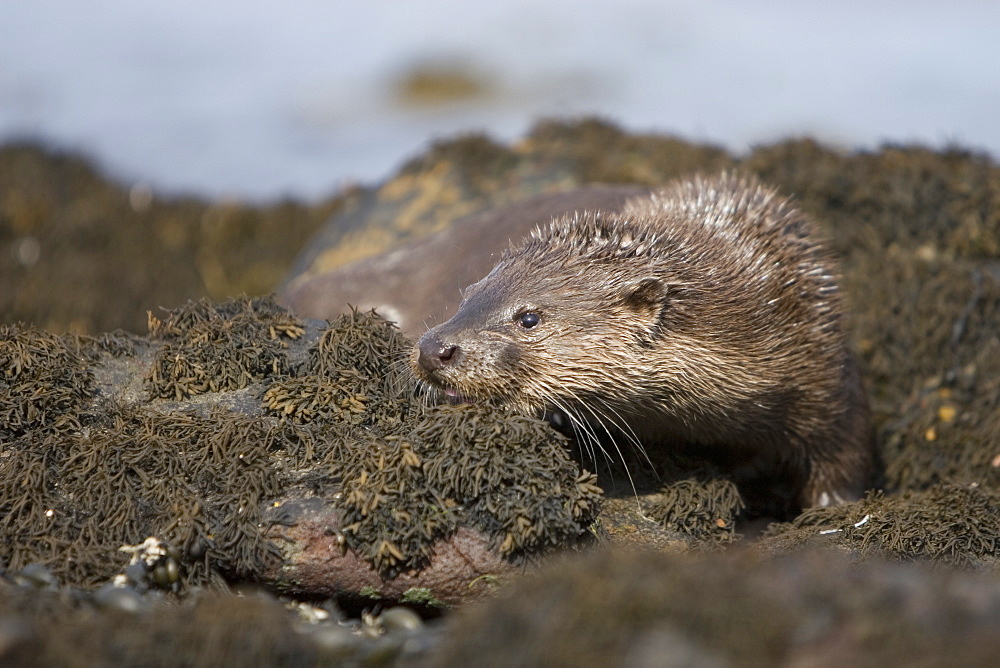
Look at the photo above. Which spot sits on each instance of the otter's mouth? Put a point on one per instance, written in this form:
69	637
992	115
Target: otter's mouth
454	397
450	395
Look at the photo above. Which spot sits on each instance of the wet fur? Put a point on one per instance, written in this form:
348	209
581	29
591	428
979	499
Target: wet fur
706	316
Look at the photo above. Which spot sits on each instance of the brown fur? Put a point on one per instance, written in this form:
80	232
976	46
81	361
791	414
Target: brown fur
705	316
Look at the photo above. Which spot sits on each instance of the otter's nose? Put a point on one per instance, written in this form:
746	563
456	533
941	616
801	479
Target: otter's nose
432	353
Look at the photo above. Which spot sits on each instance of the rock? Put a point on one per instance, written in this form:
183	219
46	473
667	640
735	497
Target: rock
816	608
316	562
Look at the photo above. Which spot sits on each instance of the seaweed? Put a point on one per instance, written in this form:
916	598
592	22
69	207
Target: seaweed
730	608
196	481
44	382
363	341
392	517
947	524
332	397
511	473
213	348
705	508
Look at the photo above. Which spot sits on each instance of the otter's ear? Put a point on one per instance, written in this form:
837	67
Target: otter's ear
649	294
648	300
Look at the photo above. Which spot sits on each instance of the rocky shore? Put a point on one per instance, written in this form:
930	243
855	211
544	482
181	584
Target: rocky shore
302	502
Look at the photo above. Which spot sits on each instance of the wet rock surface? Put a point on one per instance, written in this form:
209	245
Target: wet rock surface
261	447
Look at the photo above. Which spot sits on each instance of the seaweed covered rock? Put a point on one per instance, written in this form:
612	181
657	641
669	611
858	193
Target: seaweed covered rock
947	524
245	415
71	500
45	625
81	252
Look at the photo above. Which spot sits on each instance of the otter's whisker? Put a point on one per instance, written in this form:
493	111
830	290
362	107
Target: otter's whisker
626	428
586	437
621	456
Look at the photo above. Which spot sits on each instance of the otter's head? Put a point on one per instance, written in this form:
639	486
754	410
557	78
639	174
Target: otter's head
560	320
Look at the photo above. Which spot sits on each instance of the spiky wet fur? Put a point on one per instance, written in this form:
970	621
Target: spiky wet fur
706	314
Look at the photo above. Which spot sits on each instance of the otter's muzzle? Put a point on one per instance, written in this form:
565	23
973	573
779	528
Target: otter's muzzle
434	354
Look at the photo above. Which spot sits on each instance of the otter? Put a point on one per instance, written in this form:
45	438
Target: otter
705	318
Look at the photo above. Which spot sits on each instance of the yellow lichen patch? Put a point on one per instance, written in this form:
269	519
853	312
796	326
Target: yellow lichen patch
354	246
947	412
401	188
433	190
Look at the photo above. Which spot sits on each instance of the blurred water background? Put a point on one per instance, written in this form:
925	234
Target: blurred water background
258	100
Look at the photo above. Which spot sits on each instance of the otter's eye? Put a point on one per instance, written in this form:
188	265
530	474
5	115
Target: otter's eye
528	320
